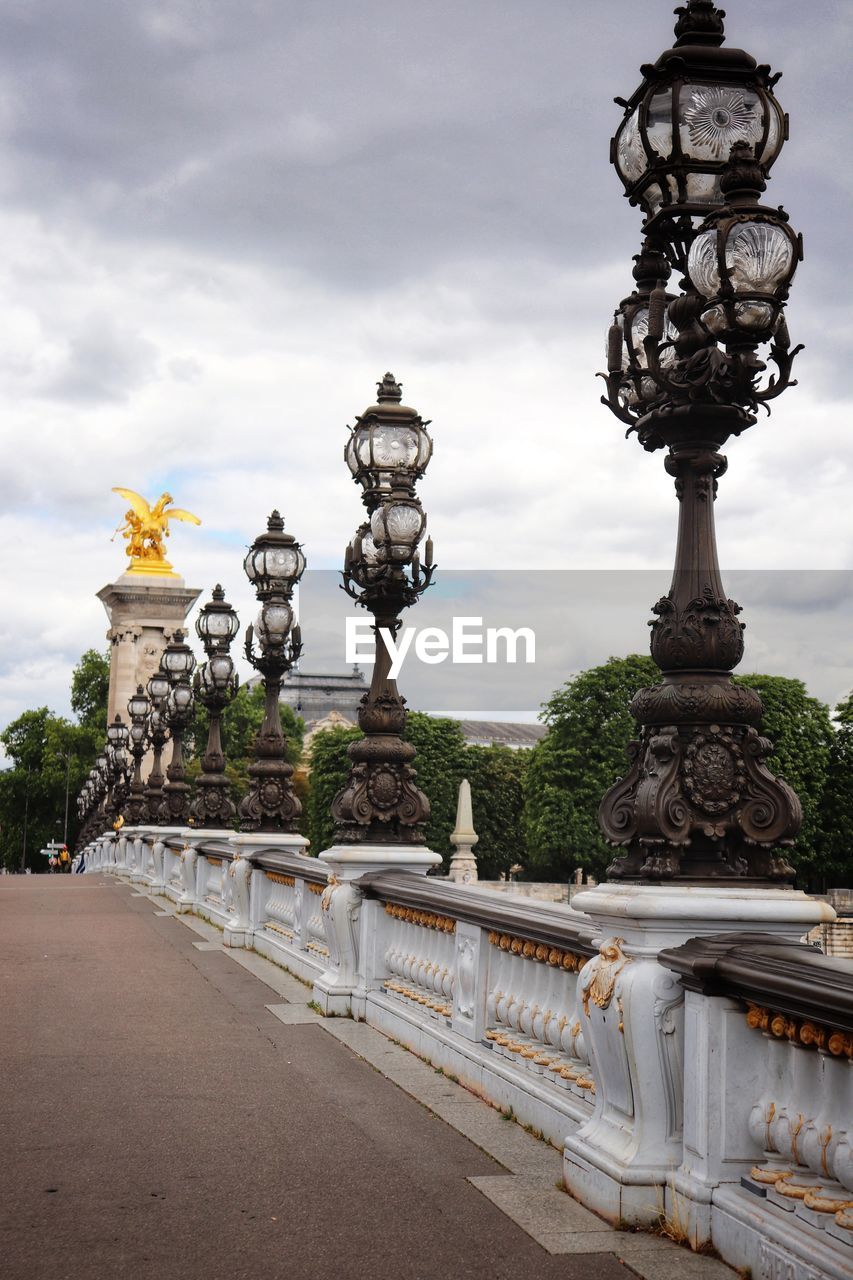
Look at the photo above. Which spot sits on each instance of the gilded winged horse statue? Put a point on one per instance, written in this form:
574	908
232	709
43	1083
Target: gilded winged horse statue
145	529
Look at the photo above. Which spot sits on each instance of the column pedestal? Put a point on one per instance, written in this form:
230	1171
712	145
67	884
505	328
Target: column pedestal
143	614
240	930
337	990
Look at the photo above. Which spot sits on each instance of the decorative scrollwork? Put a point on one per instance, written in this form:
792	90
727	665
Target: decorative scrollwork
599	982
705	633
685	698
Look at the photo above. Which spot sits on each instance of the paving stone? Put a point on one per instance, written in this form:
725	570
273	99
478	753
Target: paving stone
208	946
293	1014
539	1207
201	927
282	982
674	1263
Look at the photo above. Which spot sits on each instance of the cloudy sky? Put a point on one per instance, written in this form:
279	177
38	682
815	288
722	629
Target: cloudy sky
223	220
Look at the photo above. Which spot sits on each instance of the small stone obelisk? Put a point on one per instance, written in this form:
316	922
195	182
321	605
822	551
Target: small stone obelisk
463	864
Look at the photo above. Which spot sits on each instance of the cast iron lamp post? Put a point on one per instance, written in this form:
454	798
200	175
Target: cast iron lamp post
274	564
116	758
178	662
159	686
137	709
686	372
387	453
215	685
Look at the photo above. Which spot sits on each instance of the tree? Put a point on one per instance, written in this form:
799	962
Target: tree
497	776
330	766
439	764
589	726
836	866
90	688
240	722
801	731
582	754
50	759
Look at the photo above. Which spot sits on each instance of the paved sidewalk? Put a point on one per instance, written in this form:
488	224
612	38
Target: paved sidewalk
170	1109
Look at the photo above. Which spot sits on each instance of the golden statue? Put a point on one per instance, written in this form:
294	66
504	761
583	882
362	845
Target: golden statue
145	529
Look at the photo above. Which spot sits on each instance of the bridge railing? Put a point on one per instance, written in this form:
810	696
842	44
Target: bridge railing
708	1084
768	1090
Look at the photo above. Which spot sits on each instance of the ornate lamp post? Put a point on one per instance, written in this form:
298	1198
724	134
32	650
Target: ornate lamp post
701	824
117	764
215	685
381	813
137	709
274	564
387	452
159	686
178	662
686	372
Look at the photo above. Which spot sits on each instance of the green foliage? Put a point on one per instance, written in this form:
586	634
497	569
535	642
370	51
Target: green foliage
439	764
47	753
330	768
800	729
589	727
90	687
443	760
497	775
240	723
836	868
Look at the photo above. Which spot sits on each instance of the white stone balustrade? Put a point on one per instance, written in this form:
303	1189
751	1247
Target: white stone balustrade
533	1014
768	1104
709	1080
419	957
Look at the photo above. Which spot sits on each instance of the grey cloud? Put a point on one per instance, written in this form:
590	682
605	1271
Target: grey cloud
104	362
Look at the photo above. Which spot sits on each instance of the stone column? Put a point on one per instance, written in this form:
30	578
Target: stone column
143	613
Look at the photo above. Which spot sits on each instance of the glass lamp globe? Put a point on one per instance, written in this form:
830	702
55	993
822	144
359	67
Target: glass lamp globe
137	734
758	263
138	704
275	562
389	445
180	700
117	733
158	687
217	624
397	527
744	258
693	105
217	675
273	624
178	659
626	352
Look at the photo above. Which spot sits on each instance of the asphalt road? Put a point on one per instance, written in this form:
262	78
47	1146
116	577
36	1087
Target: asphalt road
157	1121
